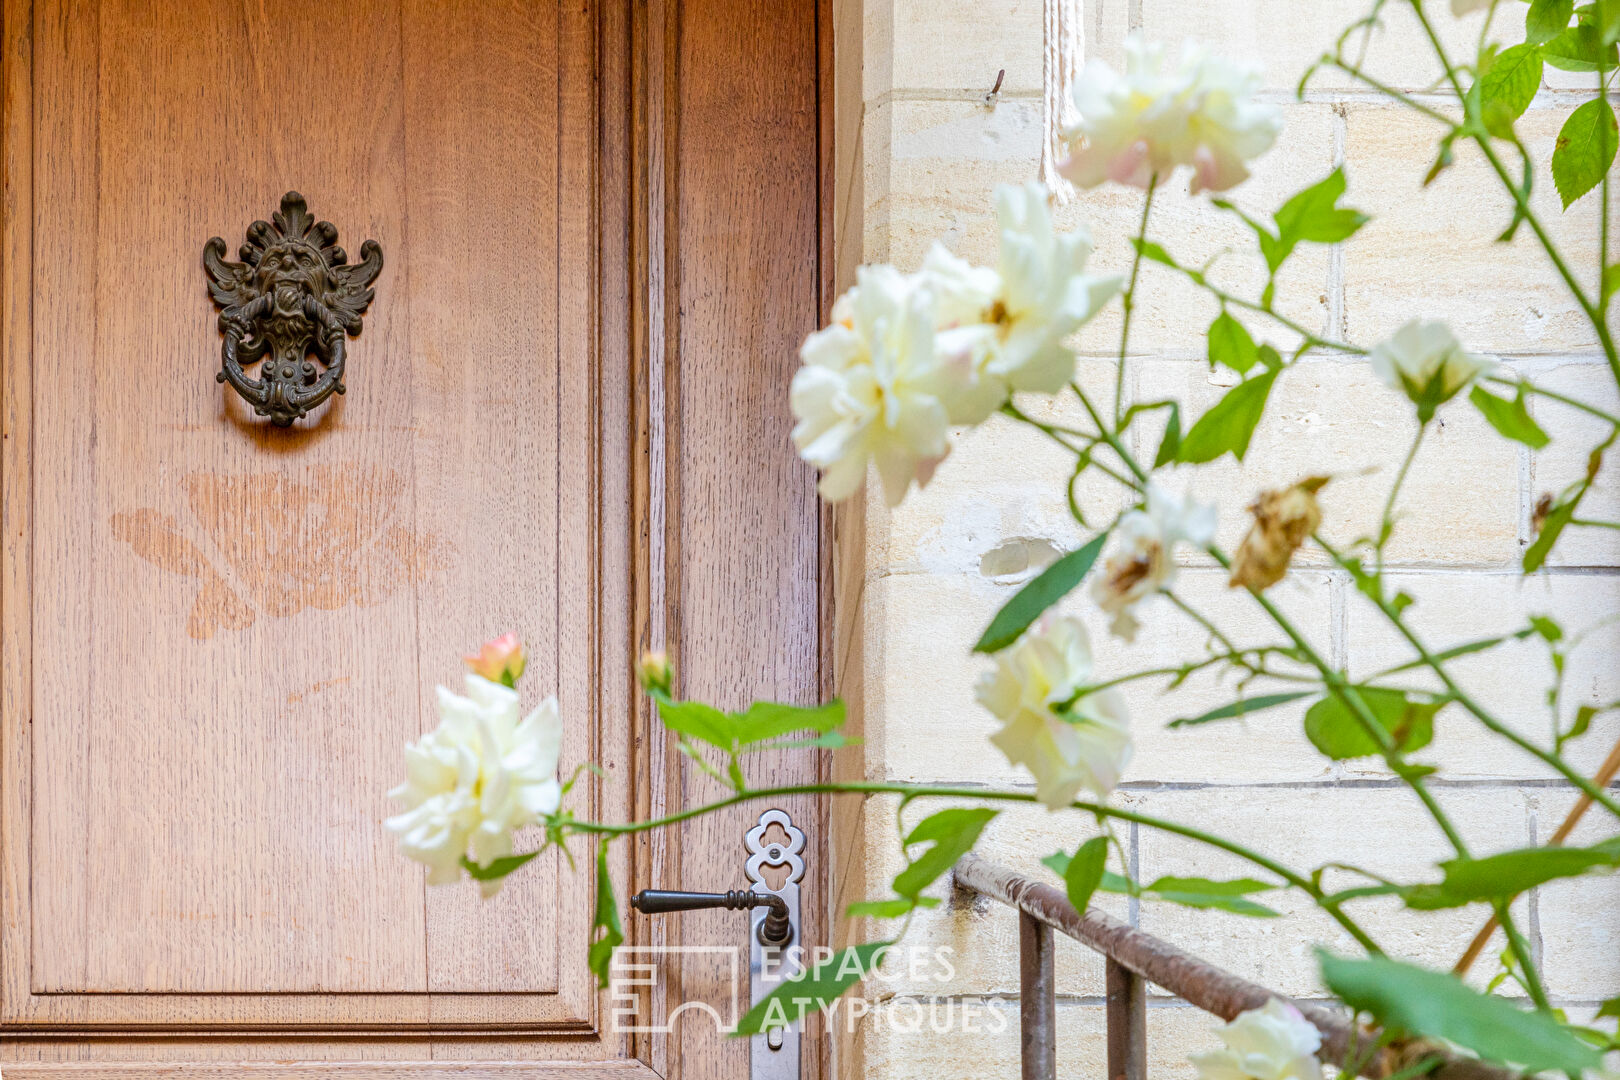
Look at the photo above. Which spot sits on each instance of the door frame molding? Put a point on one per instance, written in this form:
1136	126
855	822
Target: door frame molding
618	75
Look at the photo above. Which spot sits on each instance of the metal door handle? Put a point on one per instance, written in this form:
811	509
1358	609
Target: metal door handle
773	924
775	929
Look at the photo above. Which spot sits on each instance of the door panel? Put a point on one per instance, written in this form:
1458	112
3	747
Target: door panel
216	636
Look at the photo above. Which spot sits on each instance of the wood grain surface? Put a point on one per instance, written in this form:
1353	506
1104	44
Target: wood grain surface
215	637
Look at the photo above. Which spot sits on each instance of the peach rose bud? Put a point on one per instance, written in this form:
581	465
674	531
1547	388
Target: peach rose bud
500	661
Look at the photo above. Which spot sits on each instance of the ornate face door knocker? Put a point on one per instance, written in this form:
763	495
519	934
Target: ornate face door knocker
292	297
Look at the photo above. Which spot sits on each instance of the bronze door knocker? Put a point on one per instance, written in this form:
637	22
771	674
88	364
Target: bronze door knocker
292	297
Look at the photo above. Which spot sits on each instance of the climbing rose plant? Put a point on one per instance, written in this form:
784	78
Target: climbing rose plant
909	359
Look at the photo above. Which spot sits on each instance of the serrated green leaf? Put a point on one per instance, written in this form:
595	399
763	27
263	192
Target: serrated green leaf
1510	418
951	834
772	719
1242	707
1204	893
1042	591
1084	872
696	720
1230	424
1338	732
1546	19
812	988
1505	875
606	933
1580	48
1230	344
1584	150
1437	1005
1315	216
1510	84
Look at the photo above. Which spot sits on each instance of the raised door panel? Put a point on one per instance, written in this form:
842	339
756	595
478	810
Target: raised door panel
220	633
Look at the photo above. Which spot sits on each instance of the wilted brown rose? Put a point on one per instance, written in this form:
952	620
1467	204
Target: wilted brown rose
1538	517
1282	521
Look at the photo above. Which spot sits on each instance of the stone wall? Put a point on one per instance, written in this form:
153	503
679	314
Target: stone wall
919	150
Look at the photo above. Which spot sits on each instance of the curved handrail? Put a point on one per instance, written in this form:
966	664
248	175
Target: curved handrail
1198	982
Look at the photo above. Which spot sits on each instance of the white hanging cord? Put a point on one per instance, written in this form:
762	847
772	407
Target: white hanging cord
1065	47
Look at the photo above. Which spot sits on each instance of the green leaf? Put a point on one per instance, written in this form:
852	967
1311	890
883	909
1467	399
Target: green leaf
1044	590
1149	250
1510	418
1611	1007
1338	733
812	988
1547	627
1230	424
1506	89
696	720
1580	48
1611	274
497	868
1242	707
1085	871
1315	216
611	934
1585	149
1546	19
952	834
1198	892
1230	344
1505	875
1172	438
771	719
885	909
1605	15
1561	515
1437	1005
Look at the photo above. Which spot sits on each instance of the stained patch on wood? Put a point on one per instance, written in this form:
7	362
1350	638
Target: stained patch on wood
270	544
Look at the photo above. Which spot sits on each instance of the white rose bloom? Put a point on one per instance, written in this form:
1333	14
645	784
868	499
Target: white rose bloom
482	773
1143	561
870	389
1274	1042
1202	113
1086	748
1425	361
1012	321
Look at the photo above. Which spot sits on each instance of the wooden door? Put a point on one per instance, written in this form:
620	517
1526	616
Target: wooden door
565	415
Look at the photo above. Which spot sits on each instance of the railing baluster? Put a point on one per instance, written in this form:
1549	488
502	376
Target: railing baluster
1127	1023
1037	1000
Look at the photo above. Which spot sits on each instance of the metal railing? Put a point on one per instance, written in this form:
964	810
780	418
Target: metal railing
1135	959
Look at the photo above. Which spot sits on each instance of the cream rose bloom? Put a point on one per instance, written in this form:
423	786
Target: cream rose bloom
871	389
1200	113
1087	747
482	773
1425	361
1273	1042
1143	559
1007	326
